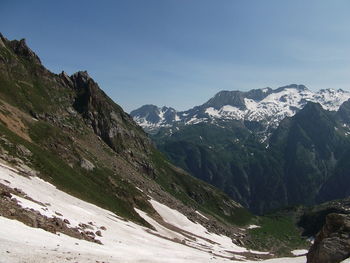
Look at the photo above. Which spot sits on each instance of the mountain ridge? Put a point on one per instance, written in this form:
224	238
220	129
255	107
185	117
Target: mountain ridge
301	162
266	106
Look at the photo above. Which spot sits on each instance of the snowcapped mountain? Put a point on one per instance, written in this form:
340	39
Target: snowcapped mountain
151	116
267	106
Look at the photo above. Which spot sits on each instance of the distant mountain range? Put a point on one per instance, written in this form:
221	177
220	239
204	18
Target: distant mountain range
266	106
265	148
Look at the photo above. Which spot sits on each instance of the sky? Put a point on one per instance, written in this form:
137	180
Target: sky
180	53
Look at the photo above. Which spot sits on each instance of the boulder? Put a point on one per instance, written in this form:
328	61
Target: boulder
86	164
332	243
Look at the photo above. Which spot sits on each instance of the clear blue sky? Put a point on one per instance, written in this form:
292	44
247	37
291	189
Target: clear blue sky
179	53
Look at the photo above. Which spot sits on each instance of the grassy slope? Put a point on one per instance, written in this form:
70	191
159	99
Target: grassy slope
91	186
278	233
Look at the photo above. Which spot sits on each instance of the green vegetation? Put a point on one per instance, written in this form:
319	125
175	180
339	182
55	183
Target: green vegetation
278	233
92	186
227	156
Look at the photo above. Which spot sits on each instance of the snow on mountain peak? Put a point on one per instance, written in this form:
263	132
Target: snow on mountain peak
265	105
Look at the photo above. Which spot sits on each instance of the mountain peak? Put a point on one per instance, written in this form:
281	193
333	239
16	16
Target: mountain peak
150	115
83	75
297	87
21	49
82	80
233	98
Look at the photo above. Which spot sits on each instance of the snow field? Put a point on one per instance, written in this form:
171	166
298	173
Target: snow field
123	241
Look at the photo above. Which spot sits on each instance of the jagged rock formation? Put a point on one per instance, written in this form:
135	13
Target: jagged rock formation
20	47
106	118
332	244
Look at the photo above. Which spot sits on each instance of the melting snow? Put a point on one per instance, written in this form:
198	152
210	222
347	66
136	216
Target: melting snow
212	112
123	241
299	252
253	226
202	215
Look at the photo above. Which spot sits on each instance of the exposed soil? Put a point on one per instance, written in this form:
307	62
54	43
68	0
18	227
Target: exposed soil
12	118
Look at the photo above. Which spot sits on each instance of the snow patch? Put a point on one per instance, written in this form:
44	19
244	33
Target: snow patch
202	215
212	112
299	252
253	226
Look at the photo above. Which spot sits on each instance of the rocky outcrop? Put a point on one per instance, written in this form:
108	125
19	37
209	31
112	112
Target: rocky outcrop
332	244
106	118
21	49
10	208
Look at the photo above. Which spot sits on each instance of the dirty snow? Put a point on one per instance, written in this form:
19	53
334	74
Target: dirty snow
202	215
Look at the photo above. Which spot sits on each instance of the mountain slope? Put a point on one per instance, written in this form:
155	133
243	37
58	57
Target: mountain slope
311	144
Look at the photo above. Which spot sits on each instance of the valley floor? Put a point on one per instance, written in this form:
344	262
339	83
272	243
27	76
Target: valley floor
177	240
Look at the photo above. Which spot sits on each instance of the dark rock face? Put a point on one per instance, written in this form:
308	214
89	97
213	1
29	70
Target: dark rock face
20	48
344	112
233	98
332	244
314	218
106	118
